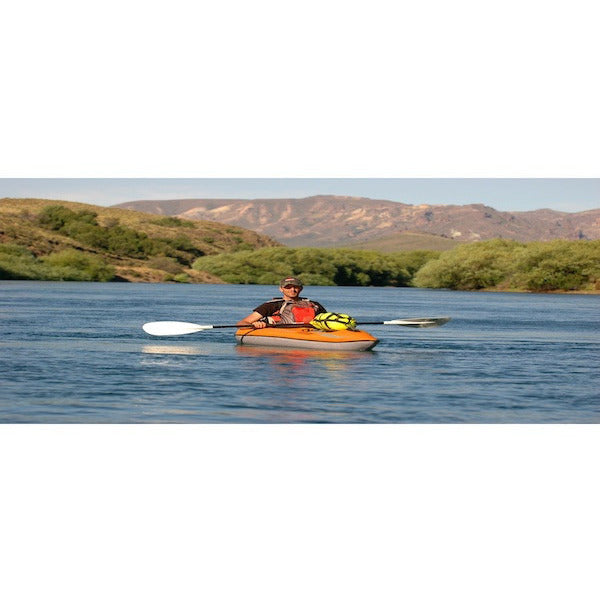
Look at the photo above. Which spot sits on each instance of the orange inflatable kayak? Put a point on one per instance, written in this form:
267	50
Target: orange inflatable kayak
306	337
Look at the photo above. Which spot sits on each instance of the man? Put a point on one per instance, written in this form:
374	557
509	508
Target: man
292	308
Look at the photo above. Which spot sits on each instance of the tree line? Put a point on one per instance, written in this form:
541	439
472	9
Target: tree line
558	265
317	266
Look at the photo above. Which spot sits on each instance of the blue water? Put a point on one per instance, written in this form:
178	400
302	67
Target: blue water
76	353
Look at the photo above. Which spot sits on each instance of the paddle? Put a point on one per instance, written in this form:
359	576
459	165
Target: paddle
183	328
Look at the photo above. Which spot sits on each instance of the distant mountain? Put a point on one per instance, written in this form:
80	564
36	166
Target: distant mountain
327	221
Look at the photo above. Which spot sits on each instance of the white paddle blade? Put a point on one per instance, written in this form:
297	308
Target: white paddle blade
173	328
426	322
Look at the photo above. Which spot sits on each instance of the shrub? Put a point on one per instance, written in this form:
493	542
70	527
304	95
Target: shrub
17	262
163	263
173	222
536	266
56	217
73	265
470	266
558	265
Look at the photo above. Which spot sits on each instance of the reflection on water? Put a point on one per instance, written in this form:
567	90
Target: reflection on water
298	353
297	360
174	350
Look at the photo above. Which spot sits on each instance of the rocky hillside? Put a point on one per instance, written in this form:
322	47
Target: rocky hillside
323	221
45	236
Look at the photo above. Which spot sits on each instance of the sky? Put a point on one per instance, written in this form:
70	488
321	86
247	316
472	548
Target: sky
507	194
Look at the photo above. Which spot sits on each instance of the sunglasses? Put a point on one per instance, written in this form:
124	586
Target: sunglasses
289	287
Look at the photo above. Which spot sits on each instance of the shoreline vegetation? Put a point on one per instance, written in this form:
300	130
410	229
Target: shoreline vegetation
492	265
64	241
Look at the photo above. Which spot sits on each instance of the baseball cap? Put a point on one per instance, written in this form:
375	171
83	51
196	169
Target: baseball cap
291	281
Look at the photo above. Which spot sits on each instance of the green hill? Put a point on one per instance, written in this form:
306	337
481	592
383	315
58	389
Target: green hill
54	239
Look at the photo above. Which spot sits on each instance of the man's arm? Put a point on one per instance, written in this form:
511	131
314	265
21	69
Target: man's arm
253	319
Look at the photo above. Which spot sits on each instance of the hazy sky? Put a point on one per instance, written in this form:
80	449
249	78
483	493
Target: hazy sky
570	195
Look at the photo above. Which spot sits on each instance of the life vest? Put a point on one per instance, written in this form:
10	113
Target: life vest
303	311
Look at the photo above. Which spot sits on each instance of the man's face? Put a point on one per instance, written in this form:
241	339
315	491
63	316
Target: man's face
291	291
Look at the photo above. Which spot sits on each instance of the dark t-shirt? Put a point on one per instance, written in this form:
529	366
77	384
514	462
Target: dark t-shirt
268	309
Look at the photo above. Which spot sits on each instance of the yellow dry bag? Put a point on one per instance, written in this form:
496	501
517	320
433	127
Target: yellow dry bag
329	321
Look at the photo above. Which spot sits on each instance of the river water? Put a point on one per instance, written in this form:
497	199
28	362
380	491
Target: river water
74	352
